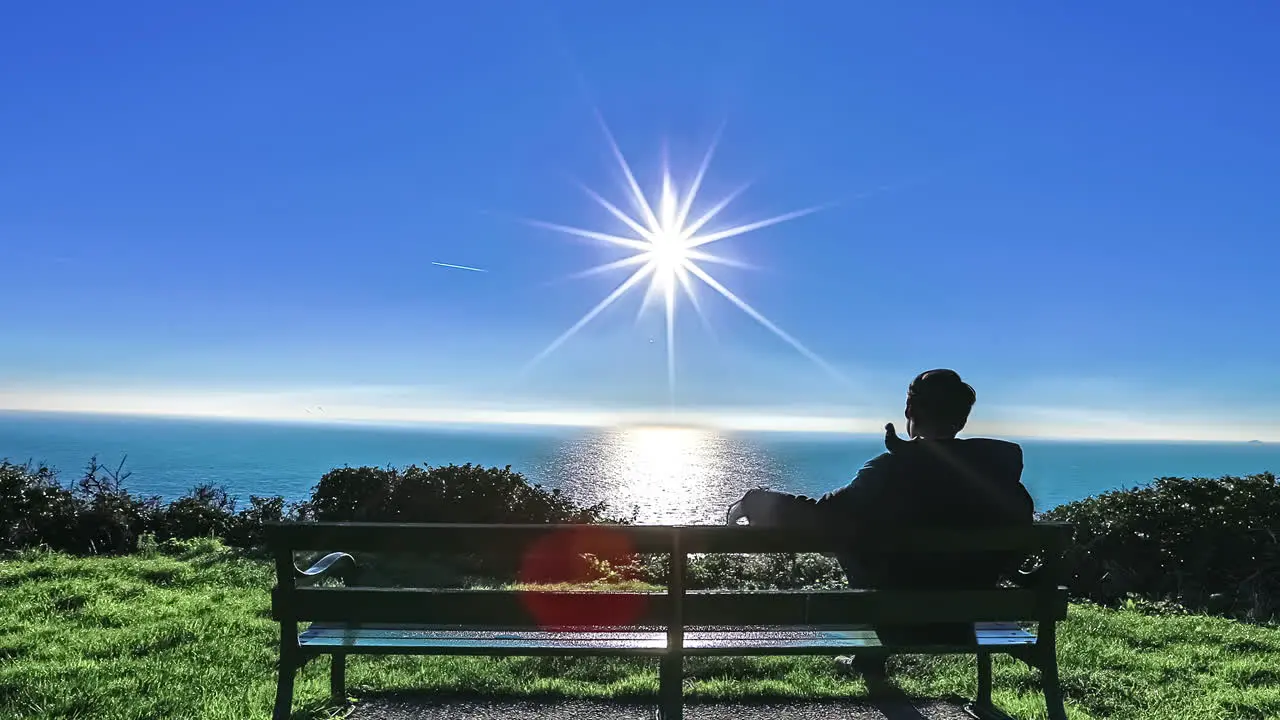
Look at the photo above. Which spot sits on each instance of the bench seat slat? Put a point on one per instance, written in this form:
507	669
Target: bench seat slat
431	639
536	608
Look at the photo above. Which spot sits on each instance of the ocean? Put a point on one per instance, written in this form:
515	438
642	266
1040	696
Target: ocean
663	475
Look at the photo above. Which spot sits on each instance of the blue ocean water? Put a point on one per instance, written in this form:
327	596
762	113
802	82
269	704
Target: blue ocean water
670	475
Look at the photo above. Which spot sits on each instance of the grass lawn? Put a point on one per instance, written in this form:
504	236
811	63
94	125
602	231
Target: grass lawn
190	636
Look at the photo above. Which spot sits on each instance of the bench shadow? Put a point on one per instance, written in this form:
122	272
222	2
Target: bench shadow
894	704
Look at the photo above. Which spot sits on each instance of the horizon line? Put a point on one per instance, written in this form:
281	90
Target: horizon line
771	424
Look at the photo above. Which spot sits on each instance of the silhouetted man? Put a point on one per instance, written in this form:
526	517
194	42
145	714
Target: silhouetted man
931	480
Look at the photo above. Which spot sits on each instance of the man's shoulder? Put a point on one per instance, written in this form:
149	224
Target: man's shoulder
881	461
972	445
988	455
877	469
993	443
993	446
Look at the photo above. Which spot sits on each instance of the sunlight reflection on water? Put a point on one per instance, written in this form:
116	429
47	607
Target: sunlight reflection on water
664	475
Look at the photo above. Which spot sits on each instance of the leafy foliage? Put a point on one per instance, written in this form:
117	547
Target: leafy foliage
1207	544
96	515
452	493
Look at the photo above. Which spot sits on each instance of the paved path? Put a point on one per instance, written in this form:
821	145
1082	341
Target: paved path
411	708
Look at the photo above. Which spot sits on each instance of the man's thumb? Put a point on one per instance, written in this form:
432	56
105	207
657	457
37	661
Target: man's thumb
891	438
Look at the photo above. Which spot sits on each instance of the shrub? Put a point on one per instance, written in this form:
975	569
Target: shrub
352	494
110	519
1206	544
247	530
451	493
92	516
206	511
96	515
35	509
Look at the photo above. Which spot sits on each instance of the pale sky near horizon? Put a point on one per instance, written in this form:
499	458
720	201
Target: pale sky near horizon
249	210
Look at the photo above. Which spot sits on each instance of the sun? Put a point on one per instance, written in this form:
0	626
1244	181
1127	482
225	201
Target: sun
666	249
668	254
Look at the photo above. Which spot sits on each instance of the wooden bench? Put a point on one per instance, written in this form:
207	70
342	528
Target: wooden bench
669	625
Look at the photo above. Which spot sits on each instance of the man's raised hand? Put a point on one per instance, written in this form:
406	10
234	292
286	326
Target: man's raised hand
891	440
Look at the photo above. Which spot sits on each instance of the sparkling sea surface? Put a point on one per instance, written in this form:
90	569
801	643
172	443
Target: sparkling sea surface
664	475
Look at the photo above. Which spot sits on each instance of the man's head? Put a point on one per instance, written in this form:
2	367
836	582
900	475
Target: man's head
938	404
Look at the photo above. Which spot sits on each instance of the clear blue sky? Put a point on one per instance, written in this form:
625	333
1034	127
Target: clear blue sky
231	205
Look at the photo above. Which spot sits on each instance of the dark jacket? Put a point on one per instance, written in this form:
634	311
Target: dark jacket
918	483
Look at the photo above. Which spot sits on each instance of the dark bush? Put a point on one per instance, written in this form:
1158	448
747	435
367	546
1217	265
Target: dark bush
36	510
1207	544
97	515
205	511
352	494
110	519
450	493
247	530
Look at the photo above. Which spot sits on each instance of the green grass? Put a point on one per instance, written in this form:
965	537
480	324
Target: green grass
191	636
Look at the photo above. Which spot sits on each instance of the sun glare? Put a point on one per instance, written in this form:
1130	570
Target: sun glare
666	250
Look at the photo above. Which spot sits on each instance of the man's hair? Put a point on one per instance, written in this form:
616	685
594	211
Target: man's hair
940	397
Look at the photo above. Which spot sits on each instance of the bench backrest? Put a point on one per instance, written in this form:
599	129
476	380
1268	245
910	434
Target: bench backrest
294	601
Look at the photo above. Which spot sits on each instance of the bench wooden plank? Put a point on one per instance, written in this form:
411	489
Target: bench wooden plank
317	630
422	538
469	607
532	609
442	640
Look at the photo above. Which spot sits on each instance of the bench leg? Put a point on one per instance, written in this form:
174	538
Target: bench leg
291	659
984	679
338	679
1052	688
982	707
670	690
284	689
1046	644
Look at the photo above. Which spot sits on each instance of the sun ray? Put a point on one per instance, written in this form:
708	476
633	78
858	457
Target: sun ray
637	195
610	266
670	288
694	242
618	213
766	322
618	292
696	185
593	235
668	205
716	259
650	297
687	233
683	275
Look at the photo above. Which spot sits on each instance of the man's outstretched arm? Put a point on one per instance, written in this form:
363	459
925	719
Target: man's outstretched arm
837	509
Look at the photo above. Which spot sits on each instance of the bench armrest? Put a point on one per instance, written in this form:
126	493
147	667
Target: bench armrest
314	573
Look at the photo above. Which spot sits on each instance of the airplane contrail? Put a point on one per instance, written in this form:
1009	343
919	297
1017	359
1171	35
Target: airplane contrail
459	267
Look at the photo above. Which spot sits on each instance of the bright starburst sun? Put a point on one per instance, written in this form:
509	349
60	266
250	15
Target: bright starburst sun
667	247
